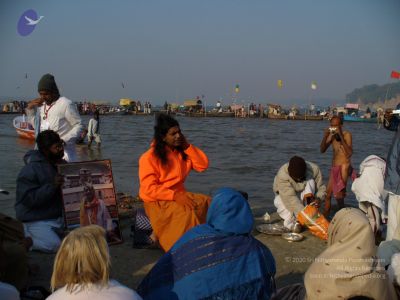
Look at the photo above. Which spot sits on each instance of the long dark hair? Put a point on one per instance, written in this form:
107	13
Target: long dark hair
163	124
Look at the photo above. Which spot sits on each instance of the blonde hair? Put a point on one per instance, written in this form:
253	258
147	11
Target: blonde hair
82	259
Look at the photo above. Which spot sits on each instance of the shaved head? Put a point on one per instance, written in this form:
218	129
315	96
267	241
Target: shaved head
336	121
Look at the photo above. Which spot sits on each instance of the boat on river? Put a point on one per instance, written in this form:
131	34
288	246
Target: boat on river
352	113
355	118
24	128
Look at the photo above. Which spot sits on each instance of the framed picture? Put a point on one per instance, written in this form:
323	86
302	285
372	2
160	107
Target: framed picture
89	197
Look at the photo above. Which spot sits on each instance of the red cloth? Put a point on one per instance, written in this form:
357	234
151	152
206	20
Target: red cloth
395	75
337	180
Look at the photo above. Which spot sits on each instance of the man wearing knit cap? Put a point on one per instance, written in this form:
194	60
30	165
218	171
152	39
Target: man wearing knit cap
51	111
296	184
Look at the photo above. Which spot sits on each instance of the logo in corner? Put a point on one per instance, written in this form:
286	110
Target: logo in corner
27	22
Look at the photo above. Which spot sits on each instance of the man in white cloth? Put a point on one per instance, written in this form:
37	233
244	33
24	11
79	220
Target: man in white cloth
297	184
94	130
51	111
369	190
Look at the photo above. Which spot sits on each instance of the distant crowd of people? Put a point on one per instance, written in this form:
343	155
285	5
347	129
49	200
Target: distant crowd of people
86	108
83	108
145	107
210	252
14	107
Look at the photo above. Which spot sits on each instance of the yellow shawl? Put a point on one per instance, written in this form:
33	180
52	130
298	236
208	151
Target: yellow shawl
348	267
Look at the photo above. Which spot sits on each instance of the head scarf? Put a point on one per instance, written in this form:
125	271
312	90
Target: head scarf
375	162
348	267
230	213
218	260
369	186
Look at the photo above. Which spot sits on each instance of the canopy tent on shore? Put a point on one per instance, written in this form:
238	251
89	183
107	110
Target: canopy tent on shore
192	103
126	102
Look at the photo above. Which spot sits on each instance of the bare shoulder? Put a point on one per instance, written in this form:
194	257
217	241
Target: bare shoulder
347	134
348	138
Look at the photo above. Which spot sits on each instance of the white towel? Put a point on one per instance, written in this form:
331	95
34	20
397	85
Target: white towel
369	187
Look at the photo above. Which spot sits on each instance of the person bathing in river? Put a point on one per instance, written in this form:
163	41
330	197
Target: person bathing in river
341	142
94	130
162	172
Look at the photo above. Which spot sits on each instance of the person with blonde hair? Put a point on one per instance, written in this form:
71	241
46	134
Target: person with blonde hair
82	268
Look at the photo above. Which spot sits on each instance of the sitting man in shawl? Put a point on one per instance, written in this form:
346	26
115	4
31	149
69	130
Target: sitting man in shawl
162	172
348	268
392	178
39	201
216	260
296	184
391	246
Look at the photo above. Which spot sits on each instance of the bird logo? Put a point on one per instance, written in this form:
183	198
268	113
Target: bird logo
33	22
27	22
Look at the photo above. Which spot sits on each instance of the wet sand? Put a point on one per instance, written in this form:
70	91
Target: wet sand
130	265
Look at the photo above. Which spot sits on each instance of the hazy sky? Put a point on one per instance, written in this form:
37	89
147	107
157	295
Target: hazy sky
169	49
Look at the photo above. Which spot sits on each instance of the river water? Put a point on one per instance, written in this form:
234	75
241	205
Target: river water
243	153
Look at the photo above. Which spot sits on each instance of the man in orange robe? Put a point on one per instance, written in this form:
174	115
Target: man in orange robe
162	172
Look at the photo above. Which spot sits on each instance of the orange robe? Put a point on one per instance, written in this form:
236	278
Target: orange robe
158	185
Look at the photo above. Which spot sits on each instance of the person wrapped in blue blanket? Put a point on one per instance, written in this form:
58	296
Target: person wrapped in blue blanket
216	260
392	174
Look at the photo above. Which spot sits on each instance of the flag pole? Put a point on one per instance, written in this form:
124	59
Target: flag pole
387	92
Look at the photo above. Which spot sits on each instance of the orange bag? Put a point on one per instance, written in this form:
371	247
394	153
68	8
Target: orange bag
314	221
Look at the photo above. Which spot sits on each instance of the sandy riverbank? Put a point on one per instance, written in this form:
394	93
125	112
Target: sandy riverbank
130	265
